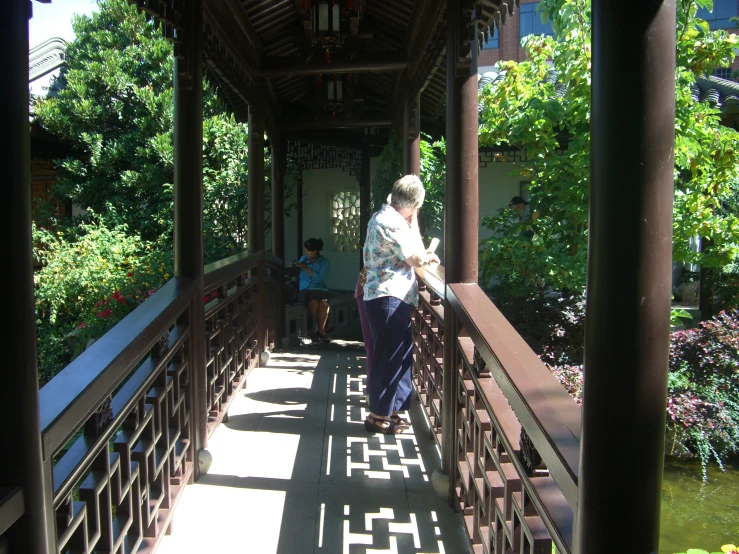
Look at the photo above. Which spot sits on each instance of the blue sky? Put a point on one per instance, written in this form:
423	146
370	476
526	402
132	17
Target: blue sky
54	20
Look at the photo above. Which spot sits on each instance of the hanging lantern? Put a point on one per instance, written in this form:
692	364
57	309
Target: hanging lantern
327	22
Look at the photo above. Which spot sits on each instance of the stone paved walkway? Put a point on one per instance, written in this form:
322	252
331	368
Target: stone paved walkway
294	471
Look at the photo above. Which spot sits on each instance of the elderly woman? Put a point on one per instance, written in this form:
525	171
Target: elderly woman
314	269
392	249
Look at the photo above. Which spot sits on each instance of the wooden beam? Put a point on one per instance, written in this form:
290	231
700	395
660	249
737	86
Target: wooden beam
340	123
287	67
336	137
245	25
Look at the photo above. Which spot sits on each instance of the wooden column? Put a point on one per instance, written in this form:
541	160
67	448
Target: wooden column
299	210
365	186
19	406
412	136
256	180
461	211
629	277
188	205
279	168
256	216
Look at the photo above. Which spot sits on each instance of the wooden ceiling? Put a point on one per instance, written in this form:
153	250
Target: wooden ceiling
270	54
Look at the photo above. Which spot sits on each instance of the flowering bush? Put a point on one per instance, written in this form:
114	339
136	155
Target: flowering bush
703	386
91	277
703	378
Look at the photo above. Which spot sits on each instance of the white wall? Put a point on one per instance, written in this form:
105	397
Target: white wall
496	188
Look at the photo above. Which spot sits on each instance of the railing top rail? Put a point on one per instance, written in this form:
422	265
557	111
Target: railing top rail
274	260
220	272
550	417
80	388
433	276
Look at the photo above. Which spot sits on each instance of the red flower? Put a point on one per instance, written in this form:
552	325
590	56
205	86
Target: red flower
105	313
81	325
129	274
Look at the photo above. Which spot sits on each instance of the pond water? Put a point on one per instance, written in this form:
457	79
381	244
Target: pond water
697	514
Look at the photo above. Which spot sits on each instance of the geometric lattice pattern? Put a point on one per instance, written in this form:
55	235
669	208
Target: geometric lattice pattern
507	506
129	477
428	346
345	221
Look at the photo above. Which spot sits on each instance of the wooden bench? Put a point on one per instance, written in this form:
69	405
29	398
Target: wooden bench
343	313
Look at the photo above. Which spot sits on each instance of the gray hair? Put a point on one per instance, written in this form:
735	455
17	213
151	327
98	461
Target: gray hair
408	192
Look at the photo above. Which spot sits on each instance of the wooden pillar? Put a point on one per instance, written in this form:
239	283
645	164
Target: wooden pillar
256	215
299	210
365	187
19	406
188	205
629	277
412	136
461	211
279	168
256	180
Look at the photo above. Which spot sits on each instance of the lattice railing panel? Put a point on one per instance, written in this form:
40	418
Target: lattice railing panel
230	344
115	488
509	501
428	347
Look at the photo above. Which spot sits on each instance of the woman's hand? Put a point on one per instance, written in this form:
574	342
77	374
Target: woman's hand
304	267
432	258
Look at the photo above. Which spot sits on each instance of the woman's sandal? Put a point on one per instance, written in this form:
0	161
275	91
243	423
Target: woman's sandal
386	426
399	421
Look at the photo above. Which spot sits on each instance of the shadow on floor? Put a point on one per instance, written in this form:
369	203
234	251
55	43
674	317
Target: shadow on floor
295	442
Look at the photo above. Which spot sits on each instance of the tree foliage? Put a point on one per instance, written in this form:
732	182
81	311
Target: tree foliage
542	107
116	110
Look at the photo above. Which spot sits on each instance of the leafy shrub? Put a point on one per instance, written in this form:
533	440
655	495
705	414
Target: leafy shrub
703	378
703	386
553	324
91	277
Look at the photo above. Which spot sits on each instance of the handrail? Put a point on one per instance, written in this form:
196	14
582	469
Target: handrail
549	415
509	414
72	395
221	272
433	276
12	507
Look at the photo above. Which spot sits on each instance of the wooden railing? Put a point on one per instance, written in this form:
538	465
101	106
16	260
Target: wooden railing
118	424
516	439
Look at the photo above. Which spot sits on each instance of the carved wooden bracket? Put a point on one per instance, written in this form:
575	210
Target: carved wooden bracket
99	420
529	455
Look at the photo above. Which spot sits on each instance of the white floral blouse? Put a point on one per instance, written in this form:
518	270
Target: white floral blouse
390	241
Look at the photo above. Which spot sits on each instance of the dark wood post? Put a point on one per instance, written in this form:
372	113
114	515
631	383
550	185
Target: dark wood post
461	211
256	216
629	277
299	210
188	204
256	180
19	405
365	186
279	168
412	136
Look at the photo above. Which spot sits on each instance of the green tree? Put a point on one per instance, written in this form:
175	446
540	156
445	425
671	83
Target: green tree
116	109
549	119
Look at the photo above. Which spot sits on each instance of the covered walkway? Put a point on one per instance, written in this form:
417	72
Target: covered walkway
295	471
